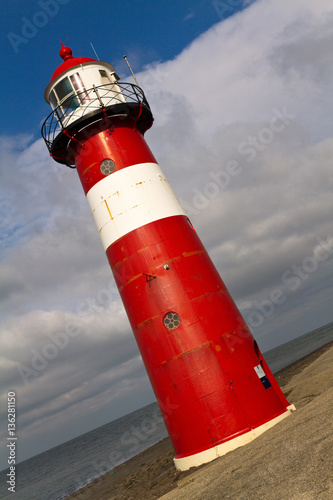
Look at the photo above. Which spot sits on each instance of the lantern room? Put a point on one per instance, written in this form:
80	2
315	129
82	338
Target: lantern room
73	87
83	91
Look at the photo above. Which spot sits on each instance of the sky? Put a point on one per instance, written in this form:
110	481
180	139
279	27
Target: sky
241	93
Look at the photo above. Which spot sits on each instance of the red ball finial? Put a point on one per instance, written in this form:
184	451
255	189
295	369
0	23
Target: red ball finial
65	52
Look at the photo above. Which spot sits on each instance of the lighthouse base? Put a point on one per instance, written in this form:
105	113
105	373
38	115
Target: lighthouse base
206	456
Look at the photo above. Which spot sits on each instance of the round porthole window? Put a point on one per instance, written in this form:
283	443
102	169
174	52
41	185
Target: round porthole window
107	166
171	320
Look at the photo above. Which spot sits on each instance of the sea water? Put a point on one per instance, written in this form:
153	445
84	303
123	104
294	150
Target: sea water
56	473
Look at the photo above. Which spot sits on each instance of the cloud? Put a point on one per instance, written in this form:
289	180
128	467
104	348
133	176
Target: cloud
243	132
189	15
240	53
306	56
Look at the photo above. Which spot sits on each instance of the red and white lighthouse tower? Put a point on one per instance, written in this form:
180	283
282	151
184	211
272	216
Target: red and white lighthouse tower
214	389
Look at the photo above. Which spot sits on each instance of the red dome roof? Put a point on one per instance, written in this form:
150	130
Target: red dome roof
69	61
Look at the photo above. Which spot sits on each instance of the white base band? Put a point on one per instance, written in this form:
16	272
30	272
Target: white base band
206	456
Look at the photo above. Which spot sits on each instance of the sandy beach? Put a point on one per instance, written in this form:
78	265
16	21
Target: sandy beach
293	460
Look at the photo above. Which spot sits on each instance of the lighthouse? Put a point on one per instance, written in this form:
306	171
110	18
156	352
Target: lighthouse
213	386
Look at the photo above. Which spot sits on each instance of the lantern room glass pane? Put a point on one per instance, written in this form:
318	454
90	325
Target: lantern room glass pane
80	88
53	100
63	89
105	80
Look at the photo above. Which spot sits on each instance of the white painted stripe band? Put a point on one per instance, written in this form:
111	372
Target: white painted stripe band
205	456
129	199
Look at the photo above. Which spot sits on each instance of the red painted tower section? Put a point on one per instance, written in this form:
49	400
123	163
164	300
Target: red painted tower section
214	389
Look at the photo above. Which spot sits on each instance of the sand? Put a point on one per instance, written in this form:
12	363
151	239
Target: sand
293	460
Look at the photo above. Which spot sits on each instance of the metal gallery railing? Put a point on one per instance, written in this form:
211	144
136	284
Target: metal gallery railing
86	102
